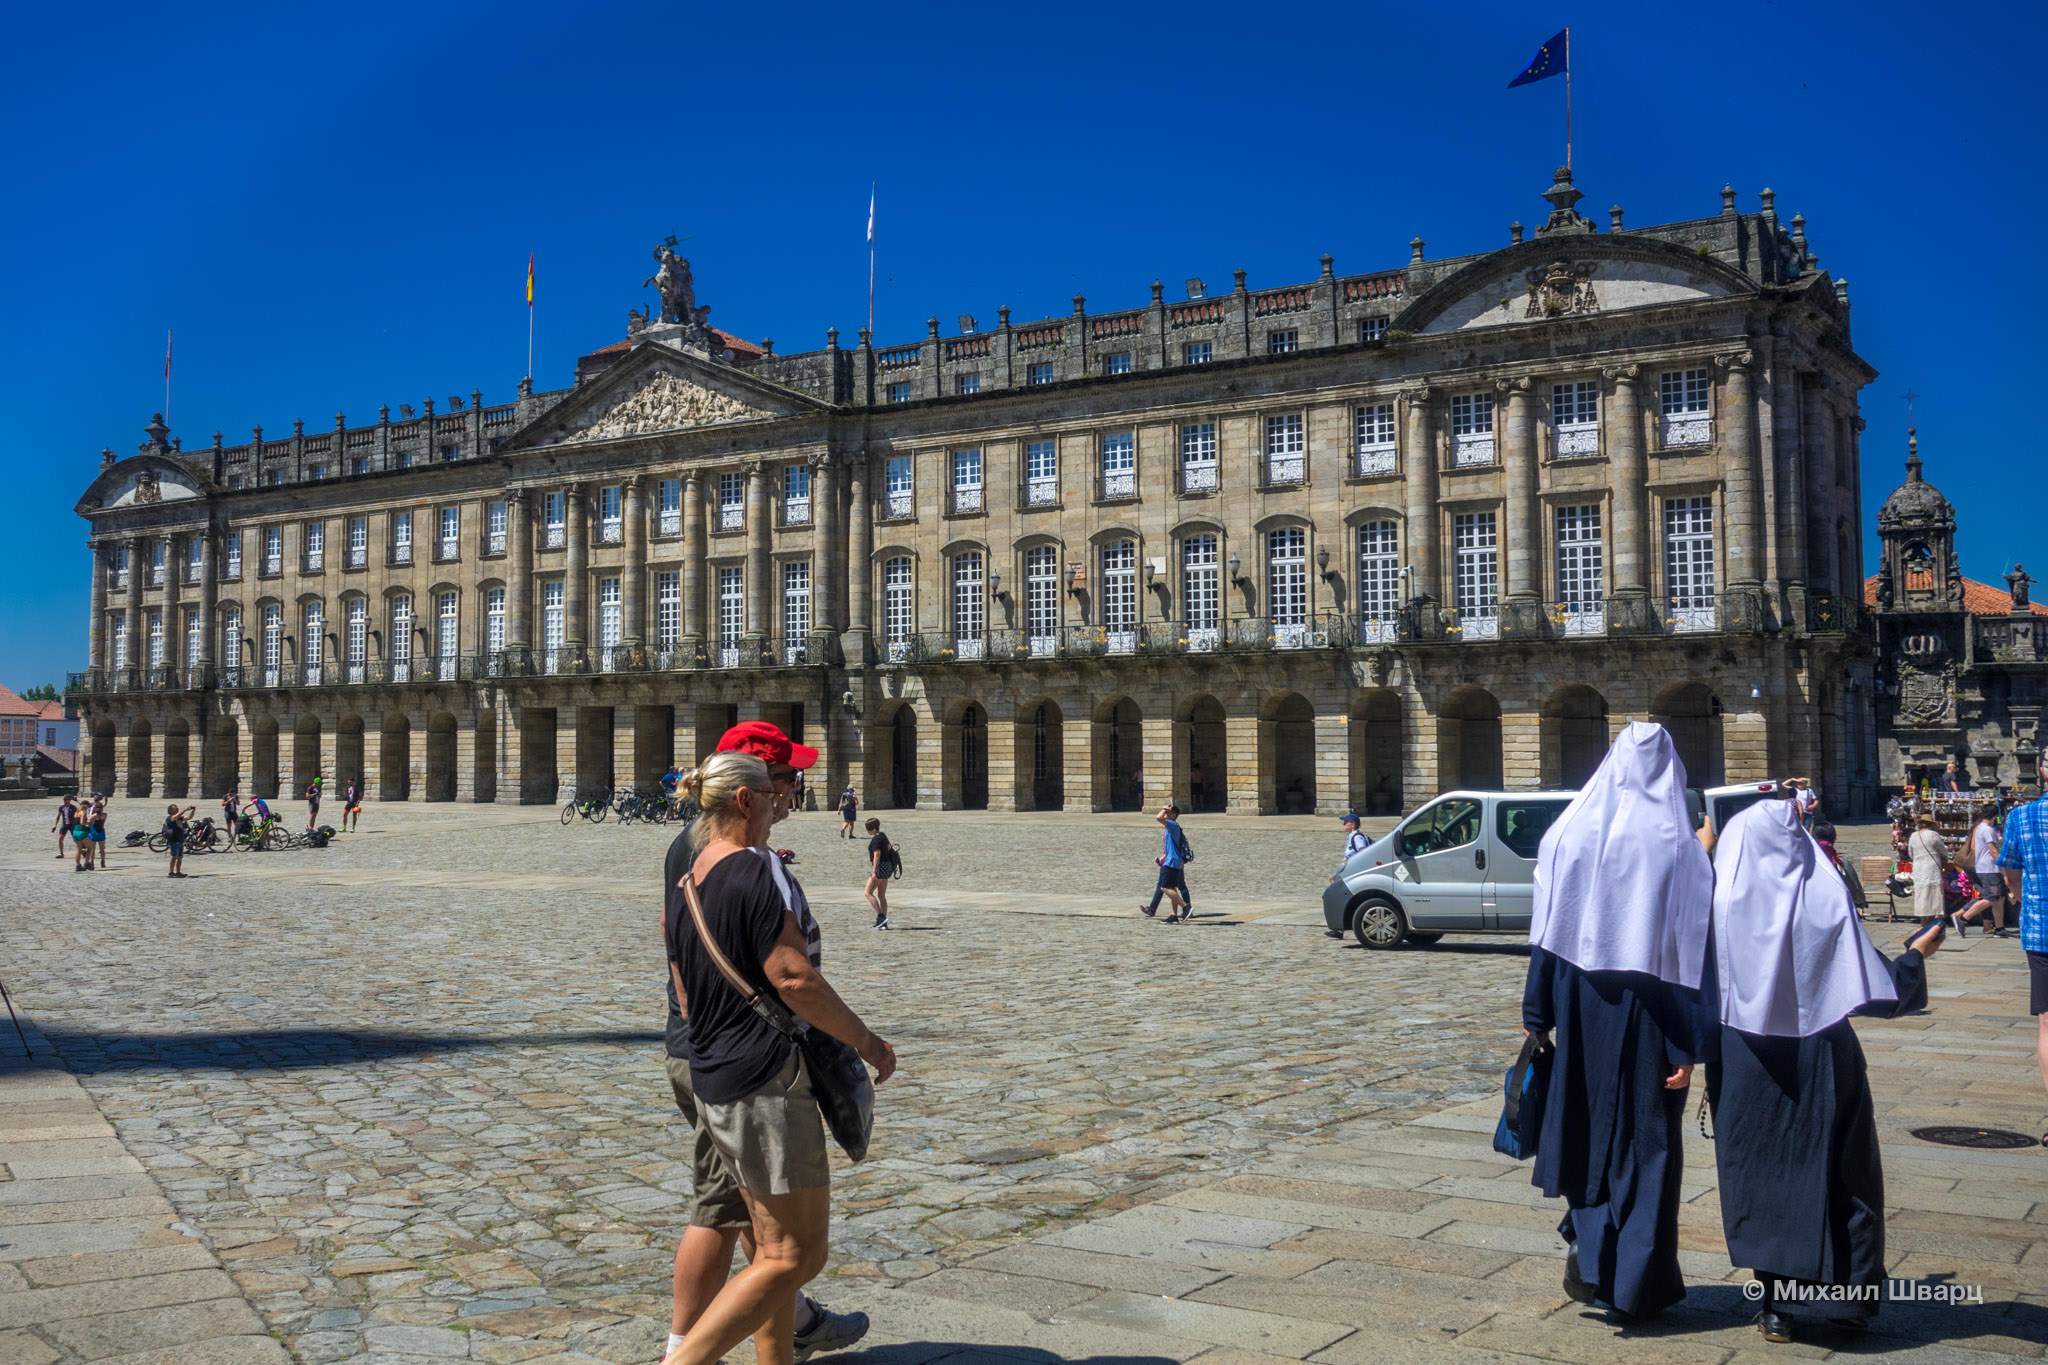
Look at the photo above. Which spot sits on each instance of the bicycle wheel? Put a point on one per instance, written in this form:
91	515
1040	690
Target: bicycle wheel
159	842
599	811
569	813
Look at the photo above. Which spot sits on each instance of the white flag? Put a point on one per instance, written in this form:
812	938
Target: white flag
871	213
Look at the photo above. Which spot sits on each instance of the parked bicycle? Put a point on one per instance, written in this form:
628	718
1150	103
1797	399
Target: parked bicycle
204	837
591	808
638	805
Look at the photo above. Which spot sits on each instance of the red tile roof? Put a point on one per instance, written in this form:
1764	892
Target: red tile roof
52	710
11	704
1979	599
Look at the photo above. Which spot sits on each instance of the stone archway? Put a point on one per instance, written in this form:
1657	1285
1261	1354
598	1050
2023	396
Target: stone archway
1119	756
140	754
1376	752
1287	753
1041	756
263	757
441	757
539	781
348	750
484	777
1208	755
394	758
177	757
105	752
902	741
1692	713
964	758
1573	732
1468	741
305	753
223	765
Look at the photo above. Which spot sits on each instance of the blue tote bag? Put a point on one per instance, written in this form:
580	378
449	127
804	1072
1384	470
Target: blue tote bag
1521	1116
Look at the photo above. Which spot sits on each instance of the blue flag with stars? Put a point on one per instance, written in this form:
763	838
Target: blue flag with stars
1552	59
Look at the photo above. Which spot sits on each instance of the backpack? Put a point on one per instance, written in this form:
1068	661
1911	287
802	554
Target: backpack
317	838
892	862
1180	838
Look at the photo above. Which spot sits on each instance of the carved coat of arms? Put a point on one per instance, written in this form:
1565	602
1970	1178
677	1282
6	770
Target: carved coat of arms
1561	289
147	489
1926	696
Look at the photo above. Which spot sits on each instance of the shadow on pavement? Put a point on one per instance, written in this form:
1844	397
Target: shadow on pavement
1453	947
1911	1315
94	1053
971	1353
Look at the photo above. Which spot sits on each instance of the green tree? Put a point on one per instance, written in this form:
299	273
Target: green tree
40	692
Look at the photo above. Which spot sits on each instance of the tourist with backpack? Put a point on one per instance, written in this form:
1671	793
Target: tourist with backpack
884	862
1173	860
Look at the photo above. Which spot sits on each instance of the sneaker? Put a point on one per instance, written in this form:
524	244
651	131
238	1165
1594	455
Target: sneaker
830	1331
1147	911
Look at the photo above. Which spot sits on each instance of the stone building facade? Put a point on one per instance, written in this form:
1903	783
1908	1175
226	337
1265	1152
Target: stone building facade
1335	544
1962	666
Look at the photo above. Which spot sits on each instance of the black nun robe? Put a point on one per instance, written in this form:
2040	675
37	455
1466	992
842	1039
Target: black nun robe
1623	892
1795	1137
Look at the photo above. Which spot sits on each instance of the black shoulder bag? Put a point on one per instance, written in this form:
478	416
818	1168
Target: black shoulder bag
839	1079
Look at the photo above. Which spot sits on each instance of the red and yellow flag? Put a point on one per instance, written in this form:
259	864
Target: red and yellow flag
529	279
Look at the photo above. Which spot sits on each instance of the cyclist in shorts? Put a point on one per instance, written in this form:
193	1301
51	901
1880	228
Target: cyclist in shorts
259	814
352	803
312	805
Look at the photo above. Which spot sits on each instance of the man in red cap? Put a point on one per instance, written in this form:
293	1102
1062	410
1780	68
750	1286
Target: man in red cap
719	1217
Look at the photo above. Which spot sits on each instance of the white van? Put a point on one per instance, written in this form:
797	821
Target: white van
1466	863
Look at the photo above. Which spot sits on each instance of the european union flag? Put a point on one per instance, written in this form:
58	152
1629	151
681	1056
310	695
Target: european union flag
1552	59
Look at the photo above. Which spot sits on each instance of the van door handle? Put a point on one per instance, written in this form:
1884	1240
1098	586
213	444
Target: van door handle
1479	857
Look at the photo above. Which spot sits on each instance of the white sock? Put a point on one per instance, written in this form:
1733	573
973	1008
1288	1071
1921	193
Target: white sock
673	1342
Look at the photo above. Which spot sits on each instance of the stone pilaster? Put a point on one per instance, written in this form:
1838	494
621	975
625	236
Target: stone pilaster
1819	462
860	552
1630	610
138	579
96	632
633	588
209	596
1519	465
576	570
518	576
760	592
693	564
1744	553
1418	464
827	556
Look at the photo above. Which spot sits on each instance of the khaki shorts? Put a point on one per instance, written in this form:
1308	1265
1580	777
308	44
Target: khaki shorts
719	1201
774	1139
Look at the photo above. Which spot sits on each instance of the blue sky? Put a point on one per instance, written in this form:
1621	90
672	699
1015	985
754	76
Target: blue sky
334	205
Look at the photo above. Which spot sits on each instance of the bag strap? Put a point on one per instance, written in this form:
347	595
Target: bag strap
747	992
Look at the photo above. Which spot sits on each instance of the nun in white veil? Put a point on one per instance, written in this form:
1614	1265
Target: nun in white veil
1802	1188
1619	928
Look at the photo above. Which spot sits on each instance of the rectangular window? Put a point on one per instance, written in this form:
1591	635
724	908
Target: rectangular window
1379	582
1120	465
121	566
970	603
898	489
1371	329
1120	597
231	562
275	477
400	647
1575	419
118	640
1286	450
405	459
401	537
359	464
553	623
732	505
1283	342
1689	562
312	644
899	393
732	615
447	636
494	624
608	623
668	609
1471	429
273	643
316	471
1198	353
1118	362
1042	601
668	502
494	527
1682	405
1038	374
796	610
230	639
195	555
554	520
1198	457
1200	595
966	481
1041	473
156	563
273	551
358	542
450	544
195	637
315	533
967	383
156	639
1475	581
1287	586
611	515
1372	431
899	608
796	495
356	650
1581	587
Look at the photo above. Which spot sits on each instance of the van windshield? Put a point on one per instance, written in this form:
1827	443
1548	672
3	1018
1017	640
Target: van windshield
1726	808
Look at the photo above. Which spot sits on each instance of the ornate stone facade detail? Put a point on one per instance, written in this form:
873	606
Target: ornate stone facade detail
1927	696
660	401
147	489
1561	289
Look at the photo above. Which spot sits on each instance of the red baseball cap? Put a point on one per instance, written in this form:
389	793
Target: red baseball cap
765	741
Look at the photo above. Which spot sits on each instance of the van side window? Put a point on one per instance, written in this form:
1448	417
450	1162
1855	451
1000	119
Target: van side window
1726	808
1450	825
1520	824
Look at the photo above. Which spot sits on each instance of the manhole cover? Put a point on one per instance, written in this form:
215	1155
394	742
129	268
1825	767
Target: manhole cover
1974	1137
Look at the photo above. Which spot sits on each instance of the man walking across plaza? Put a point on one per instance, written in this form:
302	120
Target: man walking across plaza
2024	859
1172	859
849	811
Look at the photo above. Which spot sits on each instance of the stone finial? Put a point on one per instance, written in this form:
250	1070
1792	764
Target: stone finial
1239	276
767	345
1514	232
1158	291
1614	218
159	433
259	437
831	338
476	398
427	407
384	410
106	457
340	422
1728	201
525	391
1564	197
867	338
931	328
216	440
1415	250
1003	316
1842	292
1329	266
1913	455
1769	197
1080	304
298	426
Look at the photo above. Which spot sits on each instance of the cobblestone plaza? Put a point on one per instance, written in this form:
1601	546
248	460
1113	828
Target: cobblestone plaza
401	1100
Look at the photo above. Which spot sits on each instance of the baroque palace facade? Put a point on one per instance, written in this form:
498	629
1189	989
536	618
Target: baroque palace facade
1331	545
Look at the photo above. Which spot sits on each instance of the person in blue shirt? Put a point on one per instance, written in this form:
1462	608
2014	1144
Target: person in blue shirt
1172	860
1354	842
2024	859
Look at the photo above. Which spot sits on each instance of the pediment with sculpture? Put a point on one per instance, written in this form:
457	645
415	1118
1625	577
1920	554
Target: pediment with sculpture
660	390
1556	278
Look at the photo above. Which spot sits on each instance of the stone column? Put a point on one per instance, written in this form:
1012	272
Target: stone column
138	576
96	635
826	556
633	590
760	592
1418	464
1744	553
1819	452
1633	540
860	551
1524	534
693	567
209	597
519	576
576	571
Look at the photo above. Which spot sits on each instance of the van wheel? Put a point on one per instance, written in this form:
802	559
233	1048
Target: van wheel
1379	923
1423	940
